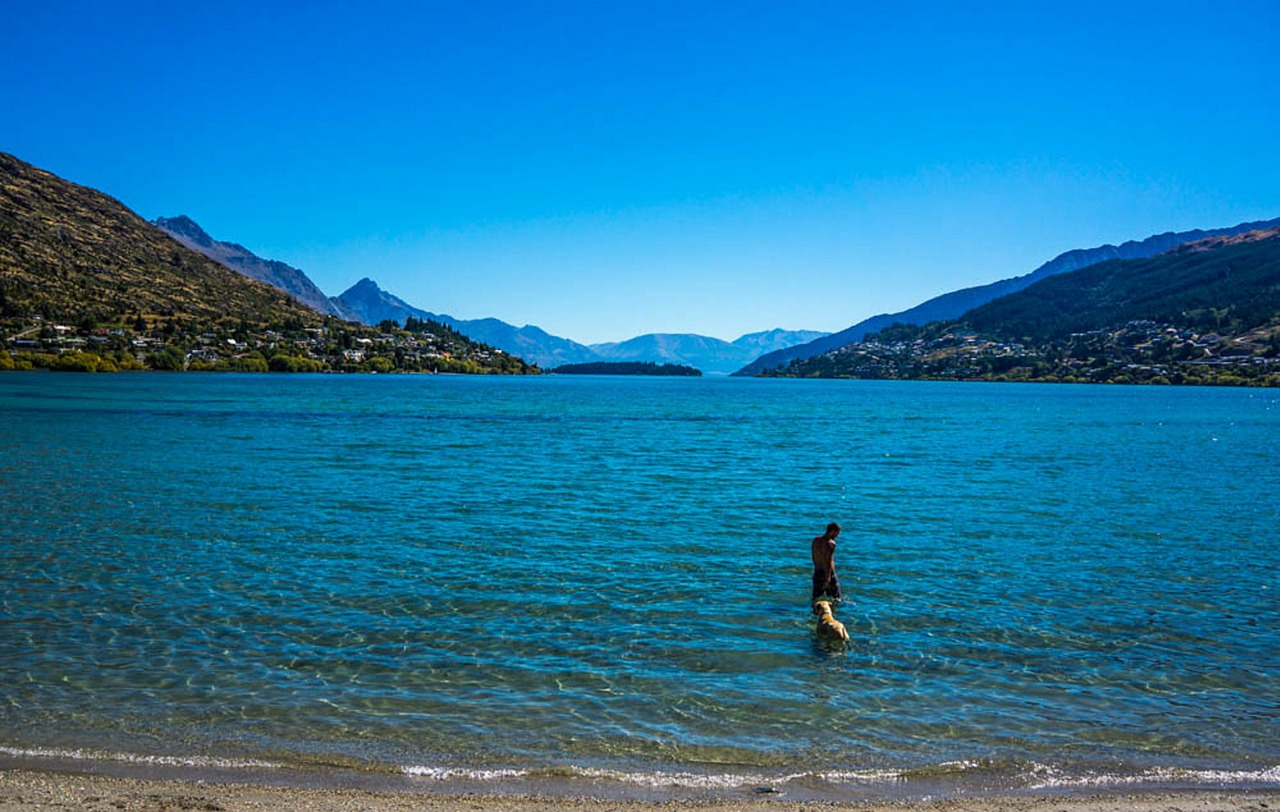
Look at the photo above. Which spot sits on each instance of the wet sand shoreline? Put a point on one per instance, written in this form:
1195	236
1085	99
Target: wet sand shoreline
25	789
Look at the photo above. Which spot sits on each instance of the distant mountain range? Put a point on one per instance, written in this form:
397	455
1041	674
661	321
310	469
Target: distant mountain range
712	355
67	249
372	305
369	304
954	304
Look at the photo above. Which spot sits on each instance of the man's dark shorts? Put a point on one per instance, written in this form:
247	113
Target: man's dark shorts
825	583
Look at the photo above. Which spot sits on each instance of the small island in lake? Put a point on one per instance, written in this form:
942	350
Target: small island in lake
626	368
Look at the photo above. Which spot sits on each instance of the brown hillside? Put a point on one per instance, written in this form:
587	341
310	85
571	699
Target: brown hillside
1213	243
68	252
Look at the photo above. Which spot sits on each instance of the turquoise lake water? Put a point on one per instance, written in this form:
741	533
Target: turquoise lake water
605	580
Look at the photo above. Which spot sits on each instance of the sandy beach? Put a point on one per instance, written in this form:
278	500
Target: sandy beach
30	790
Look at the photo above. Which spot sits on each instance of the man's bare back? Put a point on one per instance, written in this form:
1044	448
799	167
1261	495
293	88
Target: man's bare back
824	552
823	549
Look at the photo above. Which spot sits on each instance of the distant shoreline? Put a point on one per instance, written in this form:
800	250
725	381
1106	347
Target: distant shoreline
626	368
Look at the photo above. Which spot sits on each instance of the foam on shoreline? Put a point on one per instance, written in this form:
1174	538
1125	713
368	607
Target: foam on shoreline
81	755
949	780
25	790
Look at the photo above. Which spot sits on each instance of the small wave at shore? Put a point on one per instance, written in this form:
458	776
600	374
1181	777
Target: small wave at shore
949	779
1165	776
195	762
967	776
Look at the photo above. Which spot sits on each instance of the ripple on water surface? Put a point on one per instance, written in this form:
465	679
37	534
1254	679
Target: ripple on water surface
612	574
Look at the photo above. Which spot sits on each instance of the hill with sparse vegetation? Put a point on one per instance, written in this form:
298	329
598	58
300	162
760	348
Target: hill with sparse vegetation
1207	312
86	284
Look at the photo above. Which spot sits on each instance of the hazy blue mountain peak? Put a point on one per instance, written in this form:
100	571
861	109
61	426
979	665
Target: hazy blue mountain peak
186	227
231	255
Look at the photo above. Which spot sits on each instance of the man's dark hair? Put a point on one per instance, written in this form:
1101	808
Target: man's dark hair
833	528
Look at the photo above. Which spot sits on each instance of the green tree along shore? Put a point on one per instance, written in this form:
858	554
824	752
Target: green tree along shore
176	343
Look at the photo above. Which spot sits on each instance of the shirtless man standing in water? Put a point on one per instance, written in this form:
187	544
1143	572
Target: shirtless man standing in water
825	582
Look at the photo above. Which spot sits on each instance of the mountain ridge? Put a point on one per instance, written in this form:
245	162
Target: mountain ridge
369	302
1205	312
1228	284
232	255
955	303
76	255
87	285
71	249
712	355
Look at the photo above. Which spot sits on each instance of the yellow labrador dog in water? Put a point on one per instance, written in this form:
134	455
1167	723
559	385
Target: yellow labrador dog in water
828	627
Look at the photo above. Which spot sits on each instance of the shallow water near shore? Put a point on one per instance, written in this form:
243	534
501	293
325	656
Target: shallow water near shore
605	580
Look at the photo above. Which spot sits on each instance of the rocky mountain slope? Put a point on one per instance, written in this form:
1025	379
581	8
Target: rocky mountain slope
70	252
1226	285
87	285
1205	312
238	258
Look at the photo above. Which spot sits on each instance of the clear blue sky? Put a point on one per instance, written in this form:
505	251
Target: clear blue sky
605	169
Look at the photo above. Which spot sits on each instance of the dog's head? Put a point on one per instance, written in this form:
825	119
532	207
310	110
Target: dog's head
821	608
